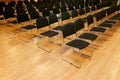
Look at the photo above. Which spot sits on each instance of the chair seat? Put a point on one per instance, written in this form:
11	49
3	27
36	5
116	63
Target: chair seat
50	33
13	22
105	25
80	44
109	21
29	27
115	18
58	28
98	29
117	15
88	36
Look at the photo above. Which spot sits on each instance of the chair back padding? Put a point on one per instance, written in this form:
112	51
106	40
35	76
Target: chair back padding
41	22
68	29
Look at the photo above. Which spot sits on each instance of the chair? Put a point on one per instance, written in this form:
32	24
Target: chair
81	11
70	7
63	9
45	12
74	14
42	22
67	30
53	21
87	9
93	8
8	14
33	15
56	10
65	17
24	18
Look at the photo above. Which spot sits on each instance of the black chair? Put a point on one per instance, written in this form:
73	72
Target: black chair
53	19
93	8
81	11
70	7
34	15
65	16
56	10
8	14
79	24
69	29
42	22
87	9
41	8
74	14
24	18
63	9
1	11
45	12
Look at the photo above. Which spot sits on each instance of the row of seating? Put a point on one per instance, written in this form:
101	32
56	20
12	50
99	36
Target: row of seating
80	41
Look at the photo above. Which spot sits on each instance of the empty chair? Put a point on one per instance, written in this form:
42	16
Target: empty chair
65	16
45	13
79	25
63	9
80	45
81	11
53	21
87	9
41	8
56	10
34	15
70	7
8	14
1	11
93	8
74	14
42	22
24	18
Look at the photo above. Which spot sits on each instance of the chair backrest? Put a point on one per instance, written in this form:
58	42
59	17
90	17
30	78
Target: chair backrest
100	15
82	11
34	15
8	13
63	9
45	12
68	29
93	8
56	11
41	22
22	18
87	9
41	8
30	9
65	15
1	10
52	18
74	13
90	19
20	11
70	7
79	24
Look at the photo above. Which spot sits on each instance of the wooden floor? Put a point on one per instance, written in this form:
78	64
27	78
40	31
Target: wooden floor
21	60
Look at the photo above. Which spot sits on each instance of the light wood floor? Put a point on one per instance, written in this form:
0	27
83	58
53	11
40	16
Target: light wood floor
25	61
